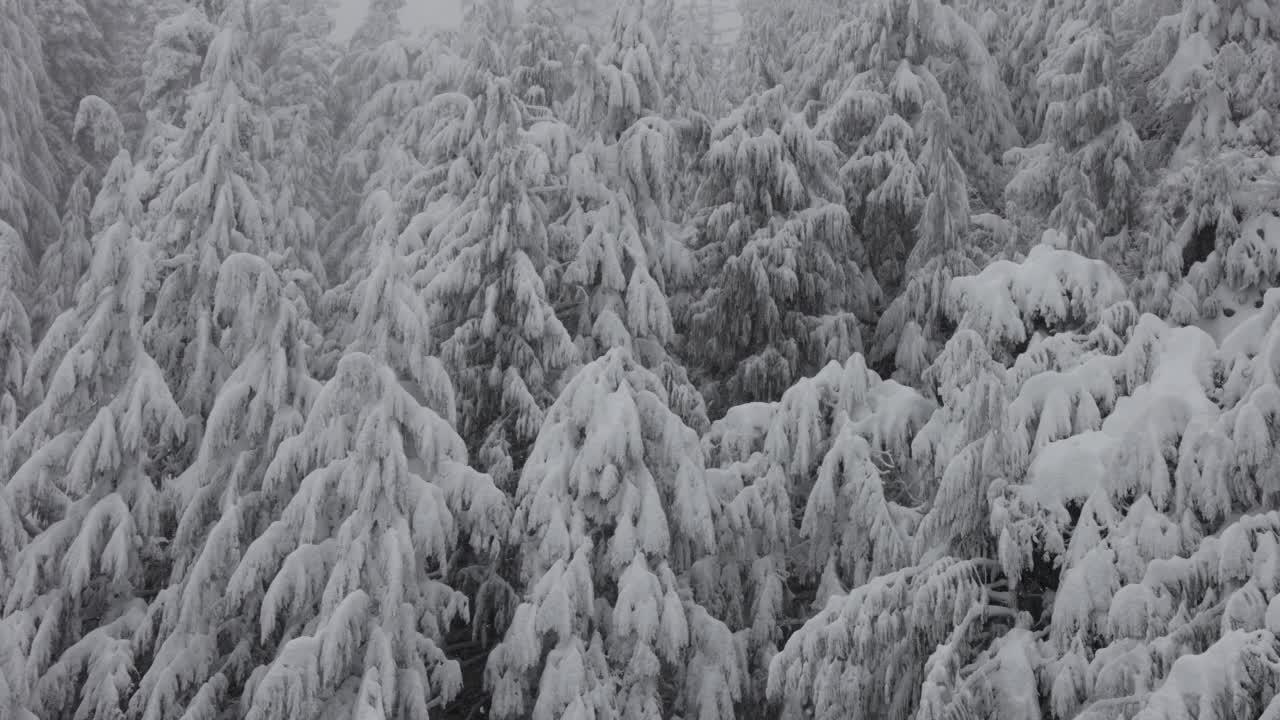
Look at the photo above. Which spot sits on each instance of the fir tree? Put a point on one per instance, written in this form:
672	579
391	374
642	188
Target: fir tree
98	127
213	202
28	178
484	279
15	322
827	468
292	42
785	290
877	73
612	507
914	325
90	479
1082	178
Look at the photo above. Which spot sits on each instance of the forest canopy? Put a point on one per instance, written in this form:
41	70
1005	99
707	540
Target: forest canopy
890	359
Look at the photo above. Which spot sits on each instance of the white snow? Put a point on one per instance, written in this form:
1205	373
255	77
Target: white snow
1077	466
1051	286
1239	309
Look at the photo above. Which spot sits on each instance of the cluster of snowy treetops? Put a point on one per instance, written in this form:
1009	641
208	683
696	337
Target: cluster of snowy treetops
901	359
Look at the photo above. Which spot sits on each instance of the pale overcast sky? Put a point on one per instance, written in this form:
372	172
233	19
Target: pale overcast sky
418	13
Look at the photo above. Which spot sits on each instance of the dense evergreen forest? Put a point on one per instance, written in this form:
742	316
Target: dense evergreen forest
889	360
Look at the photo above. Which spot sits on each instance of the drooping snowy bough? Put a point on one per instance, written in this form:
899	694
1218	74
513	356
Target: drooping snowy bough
613	508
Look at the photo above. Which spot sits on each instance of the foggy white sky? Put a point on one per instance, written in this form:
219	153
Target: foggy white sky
418	13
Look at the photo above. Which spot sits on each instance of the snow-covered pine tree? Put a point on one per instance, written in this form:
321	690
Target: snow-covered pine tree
291	39
957	586
402	139
346	582
14	629
759	51
372	71
877	72
1033	30
91	48
827	469
867	653
620	84
1006	386
98	129
379	312
689	62
1170	569
381	23
488	39
78	63
915	325
627	256
1082	177
1062	385
541	58
28	177
90	481
1222	78
214	201
776	42
621	302
483	277
1048	293
15	356
336	555
26	183
16	285
786	290
262	336
172	65
613	507
364	66
1215	84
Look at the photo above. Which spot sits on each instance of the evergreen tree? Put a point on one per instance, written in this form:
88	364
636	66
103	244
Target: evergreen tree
953	574
915	325
15	323
622	83
173	65
62	266
827	468
374	67
914	98
507	349
213	202
292	42
622	304
379	312
399	140
90	480
352	567
785	289
542	57
381	23
776	42
627	256
1082	177
613	506
263	401
91	48
1214	82
28	178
